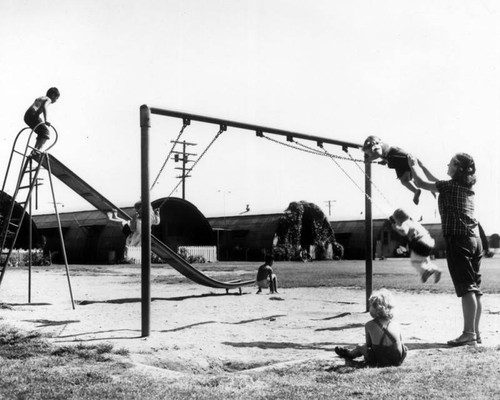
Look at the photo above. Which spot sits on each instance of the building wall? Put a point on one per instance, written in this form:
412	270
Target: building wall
244	237
23	238
351	235
91	239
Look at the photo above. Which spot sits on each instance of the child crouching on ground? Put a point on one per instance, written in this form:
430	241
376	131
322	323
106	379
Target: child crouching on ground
420	242
266	278
384	345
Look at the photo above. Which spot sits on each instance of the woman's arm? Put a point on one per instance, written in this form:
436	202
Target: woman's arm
431	177
419	177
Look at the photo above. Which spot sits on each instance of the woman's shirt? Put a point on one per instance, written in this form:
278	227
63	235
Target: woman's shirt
456	207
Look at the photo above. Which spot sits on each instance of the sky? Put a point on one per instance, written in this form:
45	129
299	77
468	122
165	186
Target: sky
422	75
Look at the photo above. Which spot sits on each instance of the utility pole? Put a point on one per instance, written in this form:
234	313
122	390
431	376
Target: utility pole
183	156
329	203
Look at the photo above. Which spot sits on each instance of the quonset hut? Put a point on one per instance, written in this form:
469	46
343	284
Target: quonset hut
22	241
301	231
91	239
245	237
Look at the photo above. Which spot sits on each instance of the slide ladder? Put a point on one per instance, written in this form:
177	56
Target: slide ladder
26	185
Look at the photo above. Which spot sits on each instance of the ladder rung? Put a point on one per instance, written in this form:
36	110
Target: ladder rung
13	224
24	187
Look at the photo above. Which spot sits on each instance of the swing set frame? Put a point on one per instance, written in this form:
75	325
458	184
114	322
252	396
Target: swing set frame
145	124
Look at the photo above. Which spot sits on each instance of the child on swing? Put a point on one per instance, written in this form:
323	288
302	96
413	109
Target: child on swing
420	242
384	345
395	158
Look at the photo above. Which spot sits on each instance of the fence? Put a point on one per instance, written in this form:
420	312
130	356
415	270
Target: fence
209	253
133	254
20	257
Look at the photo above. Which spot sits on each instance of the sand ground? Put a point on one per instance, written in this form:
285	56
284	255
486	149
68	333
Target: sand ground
194	329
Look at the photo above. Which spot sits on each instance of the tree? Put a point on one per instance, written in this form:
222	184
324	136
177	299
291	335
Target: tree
303	225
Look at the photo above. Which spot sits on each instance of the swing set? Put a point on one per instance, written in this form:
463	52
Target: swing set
262	132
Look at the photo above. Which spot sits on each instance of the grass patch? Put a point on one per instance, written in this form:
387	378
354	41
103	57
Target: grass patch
396	273
32	368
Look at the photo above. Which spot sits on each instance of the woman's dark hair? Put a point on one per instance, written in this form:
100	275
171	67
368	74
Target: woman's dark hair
466	170
53	91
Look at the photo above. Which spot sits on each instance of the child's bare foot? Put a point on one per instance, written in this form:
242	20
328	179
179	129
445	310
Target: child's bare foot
344	353
416	197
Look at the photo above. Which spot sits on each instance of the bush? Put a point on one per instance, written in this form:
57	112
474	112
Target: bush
182	251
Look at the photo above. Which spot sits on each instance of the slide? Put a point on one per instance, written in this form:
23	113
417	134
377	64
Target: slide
65	175
186	269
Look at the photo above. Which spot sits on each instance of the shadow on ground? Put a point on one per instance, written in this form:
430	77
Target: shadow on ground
138	299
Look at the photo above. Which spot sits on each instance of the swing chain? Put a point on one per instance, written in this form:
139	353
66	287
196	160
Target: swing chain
327	154
185	123
373	184
222	128
309	150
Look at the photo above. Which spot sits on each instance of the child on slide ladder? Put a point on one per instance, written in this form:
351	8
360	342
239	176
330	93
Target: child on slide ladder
32	116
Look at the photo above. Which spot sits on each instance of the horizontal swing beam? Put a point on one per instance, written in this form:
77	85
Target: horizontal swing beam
145	122
256	128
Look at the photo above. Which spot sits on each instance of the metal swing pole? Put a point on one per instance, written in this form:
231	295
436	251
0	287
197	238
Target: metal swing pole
145	114
145	120
368	232
30	237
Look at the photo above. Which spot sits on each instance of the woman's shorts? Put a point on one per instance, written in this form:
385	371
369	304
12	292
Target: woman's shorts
463	254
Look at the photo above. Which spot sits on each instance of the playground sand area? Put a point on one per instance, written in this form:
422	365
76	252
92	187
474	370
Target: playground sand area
195	329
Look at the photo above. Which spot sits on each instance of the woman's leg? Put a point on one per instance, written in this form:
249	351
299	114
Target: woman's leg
469	308
479	310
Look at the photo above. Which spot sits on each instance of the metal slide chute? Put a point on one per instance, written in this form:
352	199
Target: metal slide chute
186	269
70	179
